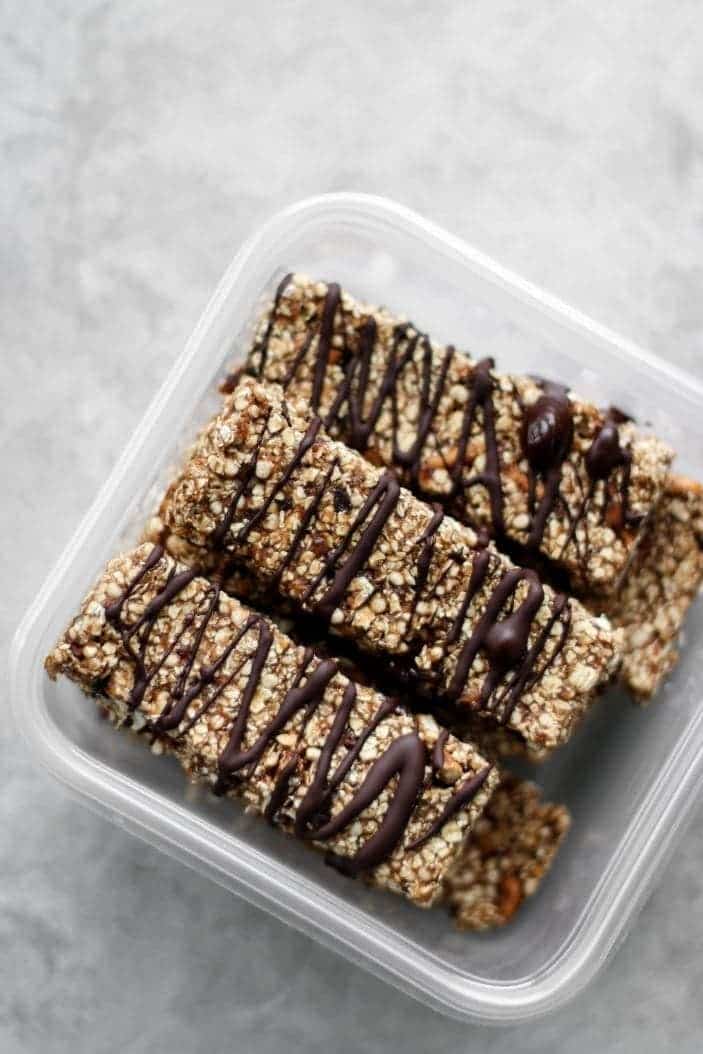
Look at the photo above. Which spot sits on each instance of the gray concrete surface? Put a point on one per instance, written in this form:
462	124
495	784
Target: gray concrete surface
141	142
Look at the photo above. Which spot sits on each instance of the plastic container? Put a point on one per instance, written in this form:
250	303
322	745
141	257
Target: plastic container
630	776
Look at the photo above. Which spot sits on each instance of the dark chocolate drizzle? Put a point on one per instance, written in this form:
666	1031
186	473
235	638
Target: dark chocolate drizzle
605	453
504	642
403	761
465	793
620	417
606	459
355	411
370	520
548	433
438	750
481	396
426	545
263	344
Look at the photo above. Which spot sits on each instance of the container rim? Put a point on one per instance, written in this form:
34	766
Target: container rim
627	880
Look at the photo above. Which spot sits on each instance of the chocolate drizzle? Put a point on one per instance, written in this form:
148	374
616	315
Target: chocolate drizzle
371	520
605	458
605	453
465	793
402	763
548	434
263	345
359	401
481	396
438	750
426	545
504	641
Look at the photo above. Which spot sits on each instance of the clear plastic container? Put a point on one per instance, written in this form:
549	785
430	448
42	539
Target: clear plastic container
630	776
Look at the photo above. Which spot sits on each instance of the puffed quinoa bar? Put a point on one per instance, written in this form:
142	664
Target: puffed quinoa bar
509	852
319	525
494	740
661	585
253	715
534	465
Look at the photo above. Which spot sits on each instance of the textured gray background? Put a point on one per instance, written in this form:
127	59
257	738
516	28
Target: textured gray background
141	143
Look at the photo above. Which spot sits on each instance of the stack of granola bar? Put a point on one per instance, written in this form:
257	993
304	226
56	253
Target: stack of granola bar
463	560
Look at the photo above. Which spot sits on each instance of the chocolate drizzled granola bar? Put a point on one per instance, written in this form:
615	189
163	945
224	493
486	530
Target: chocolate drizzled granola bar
526	460
312	521
294	502
384	792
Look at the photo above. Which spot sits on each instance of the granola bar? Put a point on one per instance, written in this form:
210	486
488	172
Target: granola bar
526	460
386	793
663	581
317	524
509	852
493	739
